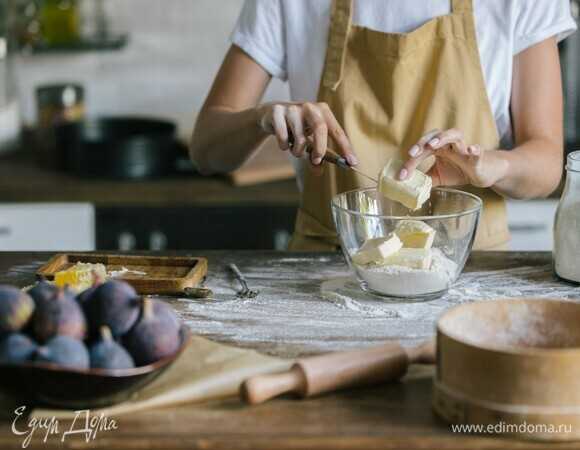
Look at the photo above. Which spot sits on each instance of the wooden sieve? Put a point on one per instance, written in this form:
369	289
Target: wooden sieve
511	363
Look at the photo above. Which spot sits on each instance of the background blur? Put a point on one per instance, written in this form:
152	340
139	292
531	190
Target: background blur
175	48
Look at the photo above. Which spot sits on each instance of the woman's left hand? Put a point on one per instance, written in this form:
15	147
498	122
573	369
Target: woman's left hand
456	163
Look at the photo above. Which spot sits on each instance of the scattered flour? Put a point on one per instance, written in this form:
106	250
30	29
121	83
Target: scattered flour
514	324
339	292
307	307
124	271
399	281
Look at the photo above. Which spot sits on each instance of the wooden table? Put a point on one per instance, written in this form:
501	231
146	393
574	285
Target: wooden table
395	416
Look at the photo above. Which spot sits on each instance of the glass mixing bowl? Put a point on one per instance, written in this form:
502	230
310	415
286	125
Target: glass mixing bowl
365	214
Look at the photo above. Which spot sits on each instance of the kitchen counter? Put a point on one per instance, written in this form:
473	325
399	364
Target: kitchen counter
307	305
21	180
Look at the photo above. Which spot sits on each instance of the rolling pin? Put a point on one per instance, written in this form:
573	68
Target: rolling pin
340	370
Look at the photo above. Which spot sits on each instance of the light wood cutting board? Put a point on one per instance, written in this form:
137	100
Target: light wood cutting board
269	164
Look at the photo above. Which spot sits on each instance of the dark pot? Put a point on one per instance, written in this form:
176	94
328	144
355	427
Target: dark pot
119	147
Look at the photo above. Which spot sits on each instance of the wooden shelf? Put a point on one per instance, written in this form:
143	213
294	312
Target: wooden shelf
109	43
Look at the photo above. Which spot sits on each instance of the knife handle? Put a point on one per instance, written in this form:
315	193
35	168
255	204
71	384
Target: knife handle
330	156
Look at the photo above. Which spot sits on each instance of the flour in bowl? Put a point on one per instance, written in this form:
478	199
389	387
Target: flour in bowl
401	281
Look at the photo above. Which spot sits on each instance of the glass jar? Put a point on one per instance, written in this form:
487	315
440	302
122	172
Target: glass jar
567	225
58	103
60	22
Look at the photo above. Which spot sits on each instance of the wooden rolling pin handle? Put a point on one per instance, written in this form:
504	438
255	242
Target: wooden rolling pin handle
260	388
320	374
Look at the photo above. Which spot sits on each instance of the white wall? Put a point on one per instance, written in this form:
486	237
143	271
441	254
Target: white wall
175	49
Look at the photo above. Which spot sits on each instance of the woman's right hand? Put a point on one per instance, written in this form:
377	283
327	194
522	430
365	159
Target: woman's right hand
302	126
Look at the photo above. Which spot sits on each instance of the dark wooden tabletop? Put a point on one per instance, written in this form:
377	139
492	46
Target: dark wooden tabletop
394	416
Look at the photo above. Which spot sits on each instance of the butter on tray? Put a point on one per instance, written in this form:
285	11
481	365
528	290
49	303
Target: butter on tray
377	250
415	234
412	192
413	258
81	276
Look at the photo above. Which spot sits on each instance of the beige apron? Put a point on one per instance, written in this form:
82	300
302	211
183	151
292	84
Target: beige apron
387	90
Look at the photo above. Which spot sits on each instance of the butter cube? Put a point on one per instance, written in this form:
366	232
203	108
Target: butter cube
415	234
412	192
377	250
81	276
413	258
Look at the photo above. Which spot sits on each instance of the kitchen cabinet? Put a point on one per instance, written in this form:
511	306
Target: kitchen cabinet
47	227
531	224
260	227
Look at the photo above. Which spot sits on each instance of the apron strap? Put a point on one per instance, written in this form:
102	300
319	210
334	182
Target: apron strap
462	6
340	21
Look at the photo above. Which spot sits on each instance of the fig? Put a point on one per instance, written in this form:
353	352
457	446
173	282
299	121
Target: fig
114	304
58	315
105	353
16	308
83	296
42	291
64	351
16	348
156	335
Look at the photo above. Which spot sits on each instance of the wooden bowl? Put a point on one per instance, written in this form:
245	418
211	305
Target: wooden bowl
515	362
48	384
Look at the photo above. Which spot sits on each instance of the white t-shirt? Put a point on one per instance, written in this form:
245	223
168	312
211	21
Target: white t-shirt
288	37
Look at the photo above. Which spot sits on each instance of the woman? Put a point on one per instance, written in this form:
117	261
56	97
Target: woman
469	88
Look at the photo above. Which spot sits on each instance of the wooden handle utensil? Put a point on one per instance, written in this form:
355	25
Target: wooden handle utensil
334	371
333	158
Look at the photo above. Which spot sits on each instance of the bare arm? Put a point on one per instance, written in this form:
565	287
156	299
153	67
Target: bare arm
227	130
232	125
534	167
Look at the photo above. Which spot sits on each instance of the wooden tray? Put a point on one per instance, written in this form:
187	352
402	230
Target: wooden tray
168	275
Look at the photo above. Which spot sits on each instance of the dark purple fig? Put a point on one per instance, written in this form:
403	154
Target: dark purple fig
105	353
64	351
83	296
59	315
16	308
42	291
156	335
16	348
114	304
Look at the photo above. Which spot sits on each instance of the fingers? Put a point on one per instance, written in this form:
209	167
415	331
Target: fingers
412	163
435	174
308	125
418	148
317	126
338	134
474	150
280	126
429	144
452	137
294	120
